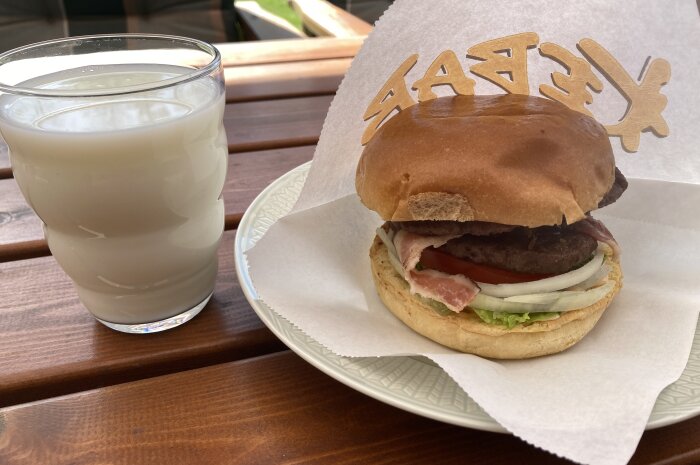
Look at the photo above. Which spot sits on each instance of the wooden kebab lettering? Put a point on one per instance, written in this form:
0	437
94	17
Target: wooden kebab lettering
645	101
508	56
570	88
515	63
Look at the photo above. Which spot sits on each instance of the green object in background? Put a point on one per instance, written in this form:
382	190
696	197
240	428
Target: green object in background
282	9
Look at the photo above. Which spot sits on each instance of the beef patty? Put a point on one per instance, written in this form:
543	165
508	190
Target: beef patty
452	228
614	193
543	250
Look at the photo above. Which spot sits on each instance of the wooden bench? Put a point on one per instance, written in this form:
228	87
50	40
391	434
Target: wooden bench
326	20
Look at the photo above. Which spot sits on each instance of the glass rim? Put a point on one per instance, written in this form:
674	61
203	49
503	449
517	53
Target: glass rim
194	73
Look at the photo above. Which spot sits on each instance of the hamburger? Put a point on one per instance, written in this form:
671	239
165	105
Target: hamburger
488	245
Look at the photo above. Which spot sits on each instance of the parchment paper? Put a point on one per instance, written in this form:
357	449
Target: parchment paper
591	403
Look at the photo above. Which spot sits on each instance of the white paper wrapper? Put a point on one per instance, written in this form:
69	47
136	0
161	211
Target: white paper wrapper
591	403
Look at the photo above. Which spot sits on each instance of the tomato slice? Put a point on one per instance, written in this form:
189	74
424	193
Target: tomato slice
442	261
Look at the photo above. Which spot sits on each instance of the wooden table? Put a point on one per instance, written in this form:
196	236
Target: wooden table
222	388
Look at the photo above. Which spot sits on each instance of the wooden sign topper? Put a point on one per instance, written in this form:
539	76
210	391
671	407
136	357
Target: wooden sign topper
645	102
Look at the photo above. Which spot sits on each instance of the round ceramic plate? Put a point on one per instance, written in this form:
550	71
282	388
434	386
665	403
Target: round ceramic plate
414	384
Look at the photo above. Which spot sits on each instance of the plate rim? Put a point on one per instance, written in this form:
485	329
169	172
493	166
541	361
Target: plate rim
264	312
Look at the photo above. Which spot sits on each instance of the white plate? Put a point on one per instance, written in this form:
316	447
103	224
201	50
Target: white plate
414	384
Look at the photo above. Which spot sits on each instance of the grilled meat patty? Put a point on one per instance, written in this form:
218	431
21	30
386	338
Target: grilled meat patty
618	187
451	228
543	250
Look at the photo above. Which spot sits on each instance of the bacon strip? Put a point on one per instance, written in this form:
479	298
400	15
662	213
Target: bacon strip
598	231
410	246
455	291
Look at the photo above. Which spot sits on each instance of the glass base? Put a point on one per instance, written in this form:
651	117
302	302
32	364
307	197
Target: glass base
157	326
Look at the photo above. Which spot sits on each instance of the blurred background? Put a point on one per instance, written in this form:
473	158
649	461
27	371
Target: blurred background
27	21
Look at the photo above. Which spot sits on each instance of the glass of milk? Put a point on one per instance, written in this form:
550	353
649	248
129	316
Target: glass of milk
117	143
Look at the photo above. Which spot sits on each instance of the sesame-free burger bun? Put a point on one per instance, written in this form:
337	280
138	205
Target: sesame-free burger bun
508	159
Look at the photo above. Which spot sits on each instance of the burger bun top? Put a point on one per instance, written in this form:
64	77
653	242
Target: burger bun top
508	159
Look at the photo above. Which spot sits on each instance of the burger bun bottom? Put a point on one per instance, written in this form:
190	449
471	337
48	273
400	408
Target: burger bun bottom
466	332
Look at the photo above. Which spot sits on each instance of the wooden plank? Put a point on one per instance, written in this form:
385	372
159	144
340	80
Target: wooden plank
50	345
24	250
264	125
273	409
285	80
275	123
21	234
325	19
249	173
279	51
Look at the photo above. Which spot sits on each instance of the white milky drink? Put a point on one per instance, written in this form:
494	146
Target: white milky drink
128	186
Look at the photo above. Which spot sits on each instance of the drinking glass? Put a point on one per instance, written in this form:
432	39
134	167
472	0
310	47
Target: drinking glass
117	143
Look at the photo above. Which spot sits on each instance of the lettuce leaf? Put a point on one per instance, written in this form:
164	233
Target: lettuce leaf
510	320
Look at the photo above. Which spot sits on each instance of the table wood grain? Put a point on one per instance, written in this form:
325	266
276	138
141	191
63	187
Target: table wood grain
272	409
285	80
273	124
285	51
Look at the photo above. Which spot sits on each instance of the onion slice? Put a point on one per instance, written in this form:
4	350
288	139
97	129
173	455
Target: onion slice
387	239
562	301
554	283
595	280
